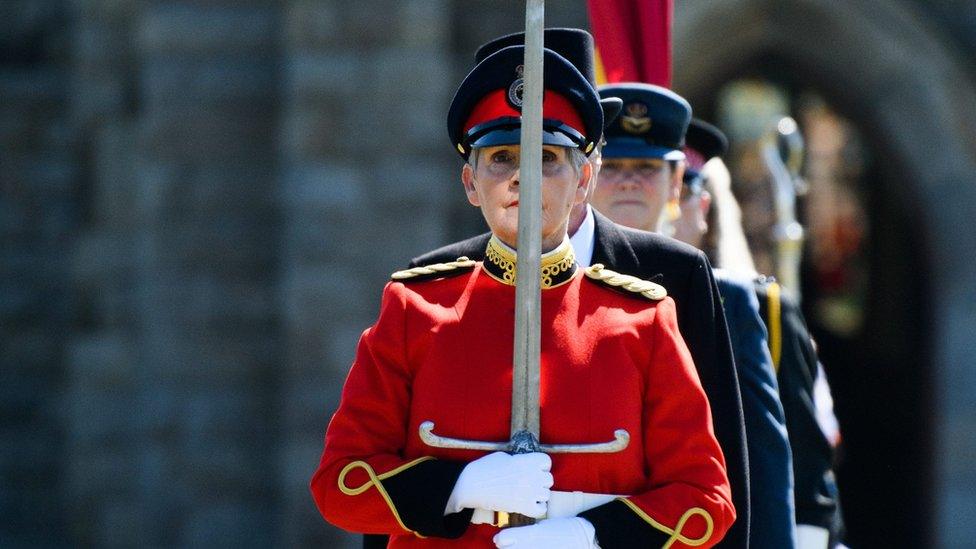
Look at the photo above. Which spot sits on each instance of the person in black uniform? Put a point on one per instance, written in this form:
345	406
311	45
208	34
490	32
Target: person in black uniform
816	497
710	221
770	462
683	270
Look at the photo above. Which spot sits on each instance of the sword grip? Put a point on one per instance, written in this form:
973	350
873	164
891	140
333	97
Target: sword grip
523	442
515	520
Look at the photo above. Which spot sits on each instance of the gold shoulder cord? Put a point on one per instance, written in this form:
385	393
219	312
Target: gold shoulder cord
460	263
676	534
646	288
375	480
775	326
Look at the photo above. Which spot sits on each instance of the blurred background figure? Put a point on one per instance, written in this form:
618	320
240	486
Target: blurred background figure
711	218
192	195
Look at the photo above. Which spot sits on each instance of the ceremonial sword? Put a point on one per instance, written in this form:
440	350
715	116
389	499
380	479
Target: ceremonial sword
528	310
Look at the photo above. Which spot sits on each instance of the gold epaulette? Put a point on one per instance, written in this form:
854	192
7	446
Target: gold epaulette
646	288
436	270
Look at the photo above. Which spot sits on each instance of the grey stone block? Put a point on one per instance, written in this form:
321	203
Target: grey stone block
202	134
168	28
102	360
48	175
324	186
230	524
299	461
220	469
344	341
422	24
312	25
114	193
311	303
956	520
101	255
122	522
38	91
242	80
315	131
24	302
310	240
29	350
99	473
311	404
324	76
223	415
98	413
26	459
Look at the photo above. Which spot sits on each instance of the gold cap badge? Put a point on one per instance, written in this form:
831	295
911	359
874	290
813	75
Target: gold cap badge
635	119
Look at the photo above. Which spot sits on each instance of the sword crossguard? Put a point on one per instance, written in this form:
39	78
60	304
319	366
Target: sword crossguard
621	439
524	442
519	444
430	439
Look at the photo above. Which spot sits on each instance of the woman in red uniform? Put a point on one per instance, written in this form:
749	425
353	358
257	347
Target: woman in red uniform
441	351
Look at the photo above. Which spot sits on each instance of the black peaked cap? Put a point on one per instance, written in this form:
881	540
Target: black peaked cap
705	138
707	141
575	45
652	124
500	71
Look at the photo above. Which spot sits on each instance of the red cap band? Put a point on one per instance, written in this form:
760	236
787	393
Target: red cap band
496	105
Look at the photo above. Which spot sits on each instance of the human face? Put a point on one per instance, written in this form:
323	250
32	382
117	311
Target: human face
634	191
494	187
691	227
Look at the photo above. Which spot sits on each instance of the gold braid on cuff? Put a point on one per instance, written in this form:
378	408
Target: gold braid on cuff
375	480
676	534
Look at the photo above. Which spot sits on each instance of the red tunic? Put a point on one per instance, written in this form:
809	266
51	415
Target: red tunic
441	351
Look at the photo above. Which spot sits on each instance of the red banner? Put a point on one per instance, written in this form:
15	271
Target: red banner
633	40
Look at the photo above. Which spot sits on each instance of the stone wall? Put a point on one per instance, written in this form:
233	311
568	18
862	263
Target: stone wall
363	99
39	212
171	378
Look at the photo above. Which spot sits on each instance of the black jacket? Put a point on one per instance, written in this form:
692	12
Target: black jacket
814	486
686	274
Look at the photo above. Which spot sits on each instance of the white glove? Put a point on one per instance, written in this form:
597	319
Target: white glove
809	536
502	482
559	533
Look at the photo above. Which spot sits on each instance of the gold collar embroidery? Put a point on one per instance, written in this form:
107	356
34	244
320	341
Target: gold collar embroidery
557	266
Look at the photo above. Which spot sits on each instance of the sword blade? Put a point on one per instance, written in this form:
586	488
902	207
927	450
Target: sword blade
525	375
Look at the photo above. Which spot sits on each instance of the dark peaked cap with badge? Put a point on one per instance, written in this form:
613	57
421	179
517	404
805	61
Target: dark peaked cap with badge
575	45
487	108
703	142
652	124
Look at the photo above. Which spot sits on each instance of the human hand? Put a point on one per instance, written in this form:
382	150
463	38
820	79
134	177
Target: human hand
560	533
503	482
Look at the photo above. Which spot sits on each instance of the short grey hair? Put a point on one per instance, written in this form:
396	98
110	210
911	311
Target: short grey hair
576	158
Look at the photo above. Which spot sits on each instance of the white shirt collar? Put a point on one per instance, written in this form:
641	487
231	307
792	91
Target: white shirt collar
583	239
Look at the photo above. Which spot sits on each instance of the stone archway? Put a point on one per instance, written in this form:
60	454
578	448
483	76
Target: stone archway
891	73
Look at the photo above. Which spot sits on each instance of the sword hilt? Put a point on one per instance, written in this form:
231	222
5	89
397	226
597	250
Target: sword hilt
620	442
523	442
